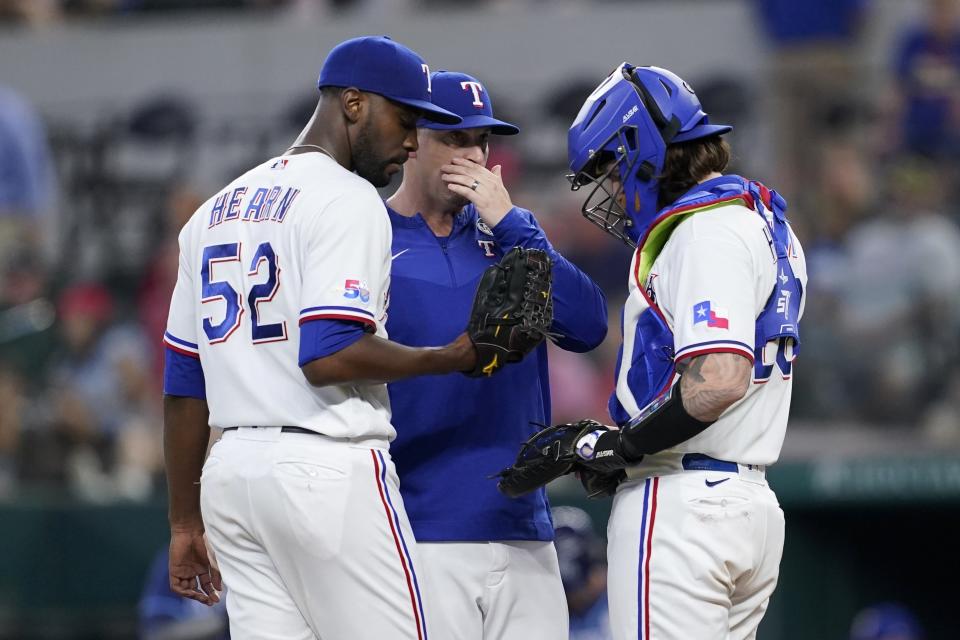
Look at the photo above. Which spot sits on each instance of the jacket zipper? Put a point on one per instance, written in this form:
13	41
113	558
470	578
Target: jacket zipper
446	256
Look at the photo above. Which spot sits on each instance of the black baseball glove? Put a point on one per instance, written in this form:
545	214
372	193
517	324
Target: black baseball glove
545	456
512	310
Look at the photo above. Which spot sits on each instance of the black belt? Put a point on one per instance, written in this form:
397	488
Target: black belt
308	432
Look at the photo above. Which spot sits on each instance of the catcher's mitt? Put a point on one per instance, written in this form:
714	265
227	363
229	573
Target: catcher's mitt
545	456
512	310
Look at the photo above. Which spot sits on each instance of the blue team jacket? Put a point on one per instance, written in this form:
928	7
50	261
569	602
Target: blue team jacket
453	432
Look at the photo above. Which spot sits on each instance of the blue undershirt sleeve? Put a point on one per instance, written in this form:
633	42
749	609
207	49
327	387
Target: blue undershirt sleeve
323	337
183	375
579	306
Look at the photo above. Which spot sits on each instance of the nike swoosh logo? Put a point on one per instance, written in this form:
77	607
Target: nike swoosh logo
399	254
715	482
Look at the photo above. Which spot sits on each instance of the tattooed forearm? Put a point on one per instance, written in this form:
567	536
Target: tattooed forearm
713	382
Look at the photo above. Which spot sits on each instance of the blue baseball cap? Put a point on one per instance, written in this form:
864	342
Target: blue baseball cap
379	65
466	97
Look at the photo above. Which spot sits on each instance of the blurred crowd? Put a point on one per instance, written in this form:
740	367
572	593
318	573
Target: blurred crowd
873	180
38	13
89	219
43	13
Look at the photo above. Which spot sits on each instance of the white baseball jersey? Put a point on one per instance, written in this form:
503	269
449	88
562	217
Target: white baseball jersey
295	239
711	280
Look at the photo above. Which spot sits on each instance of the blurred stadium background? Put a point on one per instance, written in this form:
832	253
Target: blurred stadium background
119	117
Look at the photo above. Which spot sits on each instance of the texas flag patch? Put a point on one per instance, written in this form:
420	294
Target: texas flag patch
714	316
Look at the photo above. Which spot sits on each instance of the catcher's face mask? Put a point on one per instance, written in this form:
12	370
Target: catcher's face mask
606	201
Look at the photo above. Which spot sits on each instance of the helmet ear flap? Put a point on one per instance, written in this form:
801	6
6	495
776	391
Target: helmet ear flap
645	171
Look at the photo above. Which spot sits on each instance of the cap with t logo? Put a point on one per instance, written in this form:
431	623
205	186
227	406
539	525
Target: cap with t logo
380	65
466	97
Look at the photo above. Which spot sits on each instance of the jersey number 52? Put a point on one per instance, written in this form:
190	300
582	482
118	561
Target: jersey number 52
259	294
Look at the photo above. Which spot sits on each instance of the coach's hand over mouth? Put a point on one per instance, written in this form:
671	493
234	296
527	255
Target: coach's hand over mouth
482	187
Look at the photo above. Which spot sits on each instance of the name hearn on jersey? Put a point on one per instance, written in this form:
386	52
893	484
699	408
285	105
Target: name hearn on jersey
259	205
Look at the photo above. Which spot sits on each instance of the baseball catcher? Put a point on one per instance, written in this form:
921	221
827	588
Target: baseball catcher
512	310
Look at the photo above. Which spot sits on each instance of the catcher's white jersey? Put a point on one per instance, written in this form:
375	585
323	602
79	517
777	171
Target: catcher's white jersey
295	239
712	279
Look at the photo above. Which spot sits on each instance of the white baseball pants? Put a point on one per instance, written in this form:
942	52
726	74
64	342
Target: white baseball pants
694	554
312	538
494	590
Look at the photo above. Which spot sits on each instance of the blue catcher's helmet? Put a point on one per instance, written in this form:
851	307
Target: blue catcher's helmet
625	126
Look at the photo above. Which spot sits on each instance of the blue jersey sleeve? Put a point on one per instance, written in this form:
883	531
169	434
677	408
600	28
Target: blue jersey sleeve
183	375
579	306
323	337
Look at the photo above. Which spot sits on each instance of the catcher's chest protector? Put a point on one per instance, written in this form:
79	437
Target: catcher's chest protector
652	366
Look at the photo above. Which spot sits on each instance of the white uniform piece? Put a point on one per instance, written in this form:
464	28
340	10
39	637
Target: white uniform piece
494	590
309	530
330	237
705	559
